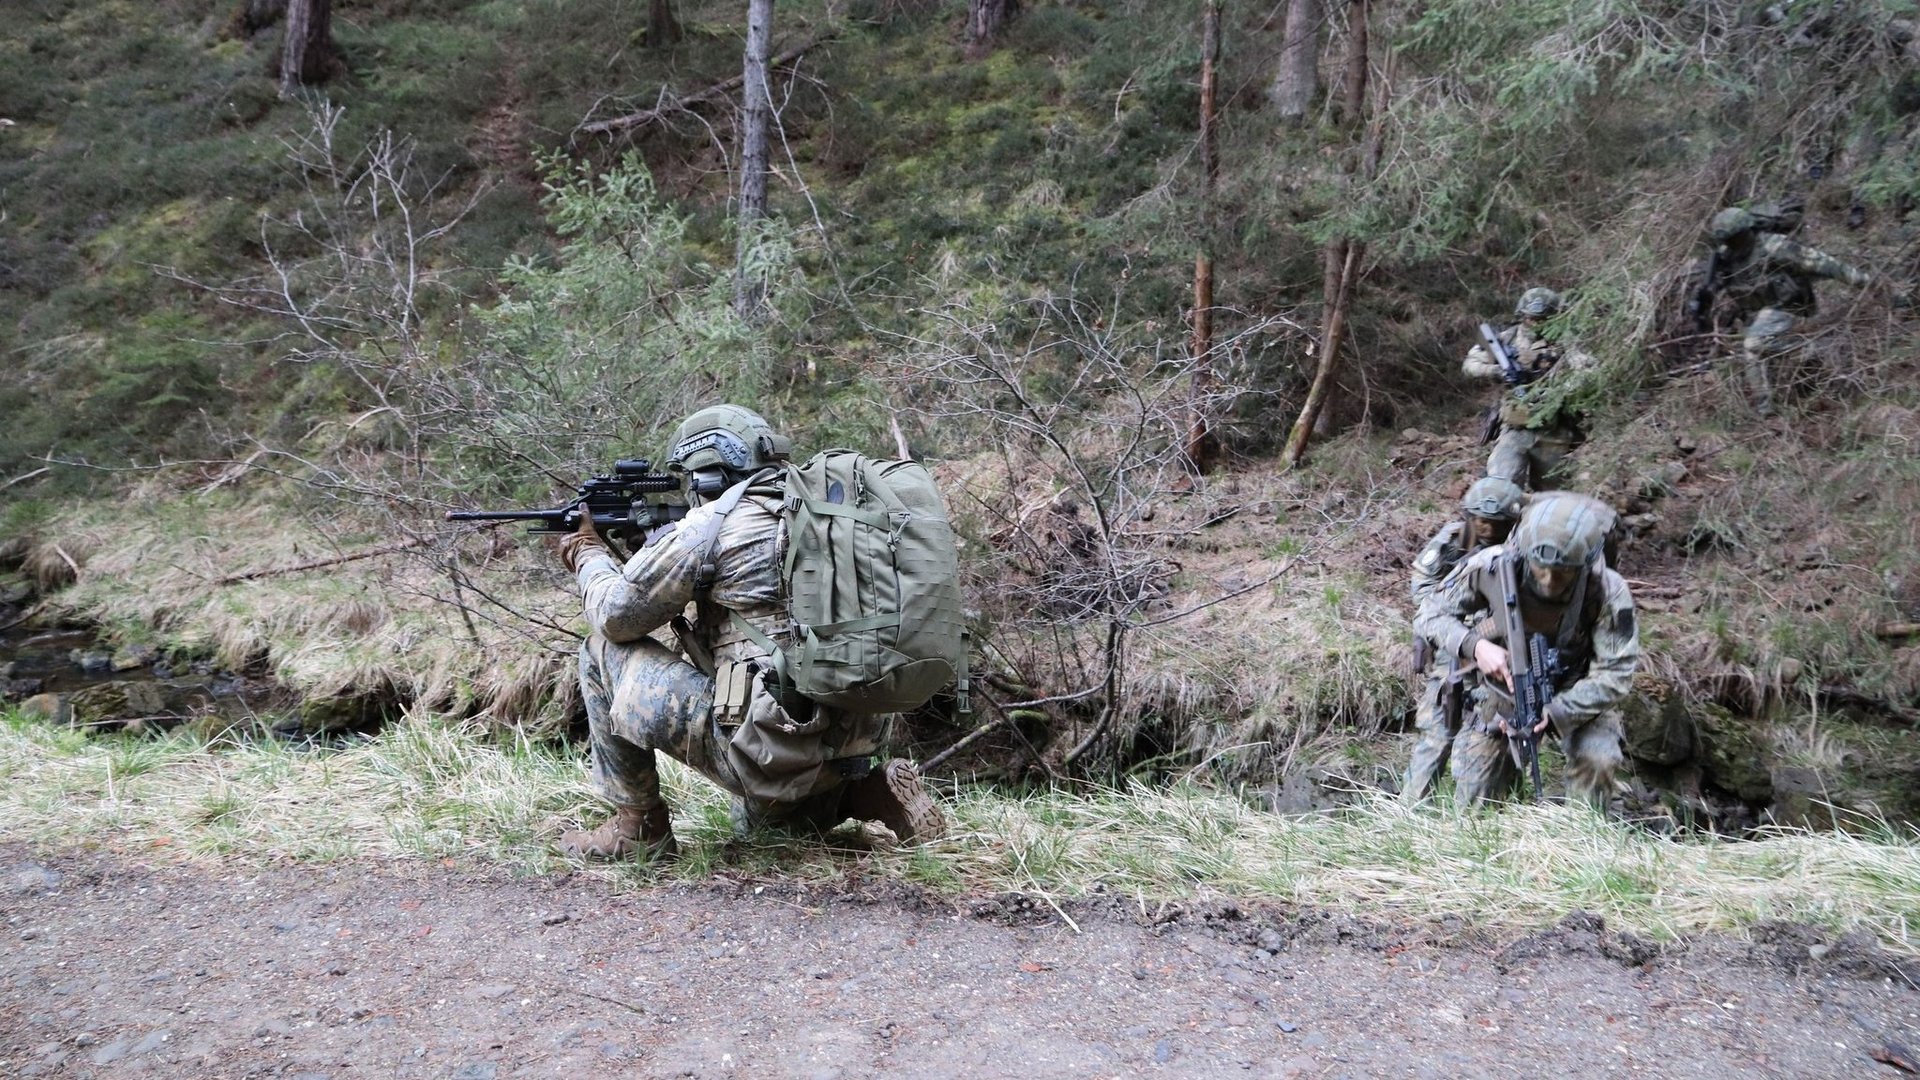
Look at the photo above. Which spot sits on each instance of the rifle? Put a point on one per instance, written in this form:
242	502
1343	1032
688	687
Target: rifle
1700	300
1510	369
614	500
1534	664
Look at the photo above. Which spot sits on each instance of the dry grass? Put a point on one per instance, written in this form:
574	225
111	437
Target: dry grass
344	629
428	789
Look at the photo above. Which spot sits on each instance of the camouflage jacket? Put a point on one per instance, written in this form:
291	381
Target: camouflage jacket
1532	352
626	603
1778	272
1443	552
1601	655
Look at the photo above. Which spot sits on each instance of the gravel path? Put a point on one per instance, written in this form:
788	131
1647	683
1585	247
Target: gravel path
115	967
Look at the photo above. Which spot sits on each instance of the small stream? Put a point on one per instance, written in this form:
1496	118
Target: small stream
66	673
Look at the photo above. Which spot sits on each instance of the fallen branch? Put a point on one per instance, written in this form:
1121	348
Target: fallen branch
23	477
698	97
1898	630
370	553
1009	717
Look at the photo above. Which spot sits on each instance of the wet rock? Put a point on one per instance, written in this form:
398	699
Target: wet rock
115	704
1658	727
1801	796
348	712
91	661
20	689
134	657
51	707
1734	754
15	590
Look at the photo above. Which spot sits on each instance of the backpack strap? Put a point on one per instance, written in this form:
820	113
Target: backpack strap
705	574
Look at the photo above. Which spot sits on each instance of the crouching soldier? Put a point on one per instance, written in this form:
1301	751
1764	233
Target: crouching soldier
1487	515
725	558
1563	590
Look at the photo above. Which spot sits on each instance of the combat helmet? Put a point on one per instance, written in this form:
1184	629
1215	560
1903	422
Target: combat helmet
1730	223
1494	498
726	437
1538	303
1562	529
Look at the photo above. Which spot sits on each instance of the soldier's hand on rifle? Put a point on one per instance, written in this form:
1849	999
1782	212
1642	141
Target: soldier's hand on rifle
574	545
1505	724
1492	661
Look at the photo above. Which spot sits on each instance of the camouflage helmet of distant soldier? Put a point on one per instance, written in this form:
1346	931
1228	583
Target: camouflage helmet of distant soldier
726	437
1493	498
1729	223
1538	303
1561	532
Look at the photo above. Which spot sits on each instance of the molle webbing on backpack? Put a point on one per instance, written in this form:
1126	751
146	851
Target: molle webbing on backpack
872	577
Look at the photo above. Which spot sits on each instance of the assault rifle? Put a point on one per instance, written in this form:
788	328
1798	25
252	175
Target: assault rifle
1510	369
1533	665
616	502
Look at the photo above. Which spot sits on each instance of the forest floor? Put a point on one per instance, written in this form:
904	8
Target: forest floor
121	966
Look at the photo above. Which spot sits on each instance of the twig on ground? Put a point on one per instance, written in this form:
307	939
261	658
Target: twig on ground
23	477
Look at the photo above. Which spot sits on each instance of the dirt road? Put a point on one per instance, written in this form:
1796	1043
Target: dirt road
115	967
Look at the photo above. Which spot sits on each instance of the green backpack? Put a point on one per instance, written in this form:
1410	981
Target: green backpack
873	580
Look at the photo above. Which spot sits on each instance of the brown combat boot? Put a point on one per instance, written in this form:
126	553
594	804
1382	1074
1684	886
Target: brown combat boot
630	831
894	796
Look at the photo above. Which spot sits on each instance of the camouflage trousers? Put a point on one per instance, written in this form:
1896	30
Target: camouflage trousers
643	698
1768	345
1483	769
1432	744
1532	458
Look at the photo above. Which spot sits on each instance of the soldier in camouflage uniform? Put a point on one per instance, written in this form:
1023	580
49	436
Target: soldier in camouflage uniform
1488	512
1768	280
643	697
1568	593
1530	447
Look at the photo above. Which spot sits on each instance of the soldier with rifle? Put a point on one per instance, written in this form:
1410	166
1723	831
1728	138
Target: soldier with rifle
723	700
1766	281
1548	634
1487	514
1531	437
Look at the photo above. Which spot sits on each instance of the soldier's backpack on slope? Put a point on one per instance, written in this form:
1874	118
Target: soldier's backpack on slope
873	577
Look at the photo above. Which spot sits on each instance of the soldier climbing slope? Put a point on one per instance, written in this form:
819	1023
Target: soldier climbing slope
1533	439
1564	591
1487	514
1767	281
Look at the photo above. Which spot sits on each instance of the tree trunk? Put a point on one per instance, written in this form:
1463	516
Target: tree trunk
663	26
306	49
749	291
1343	254
1342	261
1201	442
985	20
1353	95
1298	82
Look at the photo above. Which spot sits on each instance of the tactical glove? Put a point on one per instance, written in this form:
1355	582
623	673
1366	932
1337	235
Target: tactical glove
574	546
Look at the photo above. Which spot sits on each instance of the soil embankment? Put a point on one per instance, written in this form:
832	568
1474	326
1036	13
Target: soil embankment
116	967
